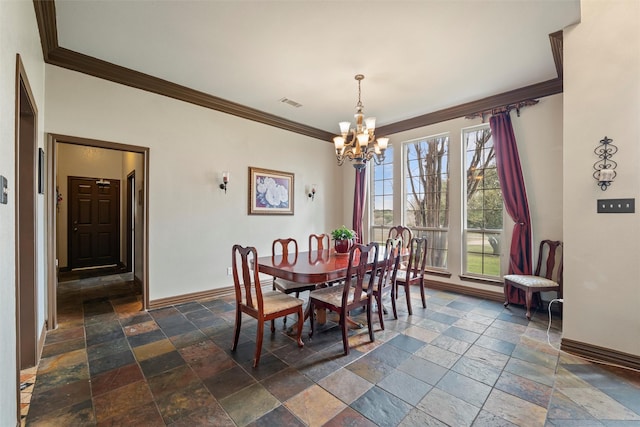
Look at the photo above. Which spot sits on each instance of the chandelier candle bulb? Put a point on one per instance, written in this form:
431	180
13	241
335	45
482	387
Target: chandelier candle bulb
370	122
344	128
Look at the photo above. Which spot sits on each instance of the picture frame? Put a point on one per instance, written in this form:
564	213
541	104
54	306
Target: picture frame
40	171
270	192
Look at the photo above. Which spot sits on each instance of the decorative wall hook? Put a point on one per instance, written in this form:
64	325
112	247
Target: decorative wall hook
225	181
604	171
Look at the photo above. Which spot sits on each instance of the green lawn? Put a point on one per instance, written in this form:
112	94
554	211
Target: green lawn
475	261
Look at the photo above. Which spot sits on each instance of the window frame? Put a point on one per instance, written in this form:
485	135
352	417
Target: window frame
420	230
464	218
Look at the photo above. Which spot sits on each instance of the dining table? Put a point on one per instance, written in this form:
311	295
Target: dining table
316	266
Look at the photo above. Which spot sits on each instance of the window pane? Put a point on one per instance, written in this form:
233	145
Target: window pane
484	205
427	193
480	255
381	199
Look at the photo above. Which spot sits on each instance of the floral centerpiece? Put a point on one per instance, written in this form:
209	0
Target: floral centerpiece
343	239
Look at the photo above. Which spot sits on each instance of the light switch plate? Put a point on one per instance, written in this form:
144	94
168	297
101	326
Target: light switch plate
616	205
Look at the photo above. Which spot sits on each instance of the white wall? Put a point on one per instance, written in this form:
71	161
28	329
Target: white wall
81	161
192	223
538	132
602	98
19	35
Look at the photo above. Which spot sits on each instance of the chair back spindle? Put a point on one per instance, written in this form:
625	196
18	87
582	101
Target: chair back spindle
362	258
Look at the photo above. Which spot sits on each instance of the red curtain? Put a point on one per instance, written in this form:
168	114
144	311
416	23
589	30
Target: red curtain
515	199
358	203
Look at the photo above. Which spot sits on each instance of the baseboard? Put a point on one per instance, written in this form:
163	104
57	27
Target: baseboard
196	296
465	290
600	354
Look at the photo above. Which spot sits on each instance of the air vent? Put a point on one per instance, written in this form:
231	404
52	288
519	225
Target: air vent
290	102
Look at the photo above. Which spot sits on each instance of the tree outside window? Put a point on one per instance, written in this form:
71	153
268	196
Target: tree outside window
427	198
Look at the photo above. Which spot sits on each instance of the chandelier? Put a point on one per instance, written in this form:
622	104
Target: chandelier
359	145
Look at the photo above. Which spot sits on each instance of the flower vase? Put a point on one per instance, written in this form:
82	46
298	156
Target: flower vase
343	246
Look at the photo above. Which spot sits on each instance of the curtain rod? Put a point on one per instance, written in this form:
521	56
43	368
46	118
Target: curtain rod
503	109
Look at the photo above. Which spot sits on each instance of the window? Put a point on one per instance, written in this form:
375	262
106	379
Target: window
483	204
382	198
426	205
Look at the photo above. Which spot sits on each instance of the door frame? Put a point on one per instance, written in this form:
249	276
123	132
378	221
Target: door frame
52	155
26	215
129	215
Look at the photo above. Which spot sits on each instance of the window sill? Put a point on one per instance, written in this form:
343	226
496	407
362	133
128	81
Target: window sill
439	273
483	280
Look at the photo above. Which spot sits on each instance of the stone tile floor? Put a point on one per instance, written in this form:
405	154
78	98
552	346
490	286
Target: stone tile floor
462	361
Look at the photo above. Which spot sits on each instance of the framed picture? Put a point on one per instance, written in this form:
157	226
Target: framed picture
270	192
40	171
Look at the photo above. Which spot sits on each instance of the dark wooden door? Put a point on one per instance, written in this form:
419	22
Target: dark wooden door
94	222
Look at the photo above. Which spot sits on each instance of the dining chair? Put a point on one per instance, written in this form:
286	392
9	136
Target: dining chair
319	242
262	306
351	294
548	280
403	232
288	249
414	273
384	282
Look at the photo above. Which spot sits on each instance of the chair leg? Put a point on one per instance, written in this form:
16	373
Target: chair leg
345	332
393	301
371	337
236	332
528	298
259	334
506	294
408	295
273	326
311	317
380	316
300	326
424	301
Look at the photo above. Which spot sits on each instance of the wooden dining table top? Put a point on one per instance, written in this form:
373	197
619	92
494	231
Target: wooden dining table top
307	267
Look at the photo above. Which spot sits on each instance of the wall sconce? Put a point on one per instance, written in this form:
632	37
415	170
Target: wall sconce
312	192
225	181
605	167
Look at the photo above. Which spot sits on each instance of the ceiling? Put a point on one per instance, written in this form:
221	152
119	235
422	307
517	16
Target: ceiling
417	56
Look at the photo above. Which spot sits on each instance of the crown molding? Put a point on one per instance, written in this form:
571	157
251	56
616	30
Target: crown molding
538	90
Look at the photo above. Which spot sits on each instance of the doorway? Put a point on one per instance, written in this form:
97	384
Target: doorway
122	161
